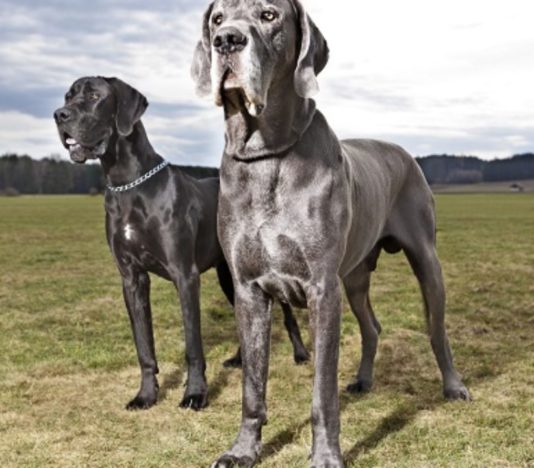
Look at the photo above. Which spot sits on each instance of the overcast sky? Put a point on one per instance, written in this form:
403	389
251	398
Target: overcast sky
436	77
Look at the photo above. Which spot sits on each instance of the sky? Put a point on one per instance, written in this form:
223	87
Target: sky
451	77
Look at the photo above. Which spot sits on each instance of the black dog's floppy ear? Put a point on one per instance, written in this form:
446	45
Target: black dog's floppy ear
131	105
313	55
201	66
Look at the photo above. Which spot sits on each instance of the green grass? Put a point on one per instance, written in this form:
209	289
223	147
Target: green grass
484	187
68	364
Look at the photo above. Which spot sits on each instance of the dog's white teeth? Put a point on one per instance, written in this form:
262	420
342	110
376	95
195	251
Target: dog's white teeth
254	109
74	146
70	141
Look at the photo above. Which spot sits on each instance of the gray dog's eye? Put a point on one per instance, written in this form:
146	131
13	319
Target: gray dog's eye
218	19
268	16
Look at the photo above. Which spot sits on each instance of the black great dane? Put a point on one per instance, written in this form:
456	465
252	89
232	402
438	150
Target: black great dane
302	214
158	220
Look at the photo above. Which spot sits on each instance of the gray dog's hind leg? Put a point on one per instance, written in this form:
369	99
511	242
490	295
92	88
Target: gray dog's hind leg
357	286
136	291
413	226
253	312
426	266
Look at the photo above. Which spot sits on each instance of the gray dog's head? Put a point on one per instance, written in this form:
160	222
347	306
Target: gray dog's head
247	45
96	110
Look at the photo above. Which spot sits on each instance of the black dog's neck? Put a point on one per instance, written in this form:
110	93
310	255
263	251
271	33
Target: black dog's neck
129	157
285	119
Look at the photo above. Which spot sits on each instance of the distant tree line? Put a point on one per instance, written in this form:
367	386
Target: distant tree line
24	175
445	169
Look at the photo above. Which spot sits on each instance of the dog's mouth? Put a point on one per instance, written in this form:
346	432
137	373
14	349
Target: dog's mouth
79	152
232	90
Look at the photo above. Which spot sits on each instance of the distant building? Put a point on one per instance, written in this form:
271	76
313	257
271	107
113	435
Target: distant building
517	188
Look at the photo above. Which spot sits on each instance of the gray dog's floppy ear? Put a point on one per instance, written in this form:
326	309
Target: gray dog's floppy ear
201	67
131	105
313	54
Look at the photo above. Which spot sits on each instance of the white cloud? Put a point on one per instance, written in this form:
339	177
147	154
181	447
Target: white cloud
459	66
436	77
25	134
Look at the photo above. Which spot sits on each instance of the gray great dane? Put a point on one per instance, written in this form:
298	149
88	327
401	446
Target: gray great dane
302	214
164	224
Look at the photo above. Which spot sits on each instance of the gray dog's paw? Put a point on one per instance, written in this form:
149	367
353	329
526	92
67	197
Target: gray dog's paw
360	386
458	392
195	402
227	461
141	403
327	462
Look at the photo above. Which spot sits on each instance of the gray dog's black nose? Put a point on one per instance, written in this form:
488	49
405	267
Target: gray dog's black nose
62	115
229	40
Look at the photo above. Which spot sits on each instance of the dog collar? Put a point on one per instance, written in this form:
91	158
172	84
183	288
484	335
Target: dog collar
136	182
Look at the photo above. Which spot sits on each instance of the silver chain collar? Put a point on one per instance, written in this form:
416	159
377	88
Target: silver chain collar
143	178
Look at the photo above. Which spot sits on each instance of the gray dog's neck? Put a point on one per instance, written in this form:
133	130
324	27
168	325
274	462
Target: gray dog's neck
284	121
129	157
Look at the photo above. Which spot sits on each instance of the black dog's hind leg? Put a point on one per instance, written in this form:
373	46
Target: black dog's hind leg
300	353
136	290
227	285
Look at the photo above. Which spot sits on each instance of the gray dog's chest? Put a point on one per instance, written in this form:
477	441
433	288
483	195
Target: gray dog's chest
277	221
276	261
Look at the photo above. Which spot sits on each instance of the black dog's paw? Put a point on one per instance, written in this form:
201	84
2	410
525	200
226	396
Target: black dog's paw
301	357
458	392
227	461
233	362
141	403
195	402
360	387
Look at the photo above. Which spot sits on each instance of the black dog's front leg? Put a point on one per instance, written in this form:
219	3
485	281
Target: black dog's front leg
196	393
136	290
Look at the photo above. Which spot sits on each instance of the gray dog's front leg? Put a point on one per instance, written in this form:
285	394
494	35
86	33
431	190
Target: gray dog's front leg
253	312
196	392
325	306
136	291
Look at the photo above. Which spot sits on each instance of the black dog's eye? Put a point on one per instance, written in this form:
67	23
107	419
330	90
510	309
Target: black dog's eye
218	19
94	96
268	16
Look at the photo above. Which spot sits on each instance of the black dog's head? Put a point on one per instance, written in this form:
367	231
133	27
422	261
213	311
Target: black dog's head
96	110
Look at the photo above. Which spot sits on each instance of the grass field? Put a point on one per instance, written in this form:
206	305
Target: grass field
68	364
484	187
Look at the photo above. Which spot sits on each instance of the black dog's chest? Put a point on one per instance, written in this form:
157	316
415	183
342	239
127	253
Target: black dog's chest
136	242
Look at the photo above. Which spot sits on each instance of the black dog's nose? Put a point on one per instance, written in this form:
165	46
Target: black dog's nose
229	40
62	115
